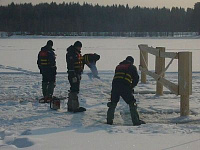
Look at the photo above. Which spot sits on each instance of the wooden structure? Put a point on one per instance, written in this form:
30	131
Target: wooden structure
184	87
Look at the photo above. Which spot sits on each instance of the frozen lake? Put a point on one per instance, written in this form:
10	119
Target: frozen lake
21	52
27	124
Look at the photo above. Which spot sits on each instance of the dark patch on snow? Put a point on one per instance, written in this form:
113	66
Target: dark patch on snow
21	143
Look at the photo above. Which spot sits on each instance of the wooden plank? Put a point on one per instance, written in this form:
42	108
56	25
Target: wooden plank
155	76
151	92
144	64
171	86
153	51
169	55
159	68
185	73
150	50
185	80
184	108
143	46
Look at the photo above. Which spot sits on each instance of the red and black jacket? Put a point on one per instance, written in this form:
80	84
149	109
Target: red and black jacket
46	60
74	60
127	74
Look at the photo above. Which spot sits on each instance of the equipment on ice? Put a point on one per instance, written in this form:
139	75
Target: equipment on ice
55	104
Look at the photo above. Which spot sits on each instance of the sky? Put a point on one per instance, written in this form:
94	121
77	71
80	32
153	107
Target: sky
131	3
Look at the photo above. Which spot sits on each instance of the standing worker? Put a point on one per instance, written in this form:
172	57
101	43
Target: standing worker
90	60
125	79
75	66
47	64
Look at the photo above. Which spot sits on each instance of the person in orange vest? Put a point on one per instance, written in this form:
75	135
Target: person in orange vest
90	60
75	67
47	64
125	79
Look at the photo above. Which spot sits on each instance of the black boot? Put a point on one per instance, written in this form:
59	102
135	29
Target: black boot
134	115
73	103
110	112
80	109
142	122
139	123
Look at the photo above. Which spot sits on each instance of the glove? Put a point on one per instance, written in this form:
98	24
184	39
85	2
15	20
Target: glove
74	79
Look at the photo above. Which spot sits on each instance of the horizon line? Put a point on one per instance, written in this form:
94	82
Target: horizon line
97	4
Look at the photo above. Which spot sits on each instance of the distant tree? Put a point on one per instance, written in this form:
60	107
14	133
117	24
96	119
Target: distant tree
196	17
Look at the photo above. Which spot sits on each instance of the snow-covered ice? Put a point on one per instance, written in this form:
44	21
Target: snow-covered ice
26	124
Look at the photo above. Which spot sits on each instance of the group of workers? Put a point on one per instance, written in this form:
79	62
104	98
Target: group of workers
125	79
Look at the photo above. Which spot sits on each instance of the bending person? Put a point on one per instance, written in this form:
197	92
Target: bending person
125	79
90	60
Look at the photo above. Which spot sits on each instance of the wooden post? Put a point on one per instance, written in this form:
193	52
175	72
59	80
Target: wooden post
143	64
184	80
184	105
159	67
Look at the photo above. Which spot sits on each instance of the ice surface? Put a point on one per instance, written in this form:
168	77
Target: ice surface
22	52
26	124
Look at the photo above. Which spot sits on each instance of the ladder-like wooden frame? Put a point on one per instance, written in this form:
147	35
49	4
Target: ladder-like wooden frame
184	87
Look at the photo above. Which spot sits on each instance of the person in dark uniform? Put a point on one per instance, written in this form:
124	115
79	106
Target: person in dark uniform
47	64
90	60
75	67
125	79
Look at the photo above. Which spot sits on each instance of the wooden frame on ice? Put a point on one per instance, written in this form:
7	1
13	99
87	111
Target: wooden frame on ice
184	87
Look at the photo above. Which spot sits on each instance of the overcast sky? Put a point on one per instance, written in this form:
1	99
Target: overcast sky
131	3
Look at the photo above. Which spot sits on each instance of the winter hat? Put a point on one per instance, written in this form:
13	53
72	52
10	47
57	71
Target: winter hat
77	44
49	43
130	59
97	57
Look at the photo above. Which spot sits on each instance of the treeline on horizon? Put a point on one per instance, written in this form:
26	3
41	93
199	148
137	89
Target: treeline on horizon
73	17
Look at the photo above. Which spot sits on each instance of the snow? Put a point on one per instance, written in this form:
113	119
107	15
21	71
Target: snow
27	124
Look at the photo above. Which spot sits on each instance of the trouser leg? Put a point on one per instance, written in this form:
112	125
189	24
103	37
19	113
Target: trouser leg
44	85
74	86
48	84
128	97
73	103
69	103
134	113
44	88
112	105
110	112
51	87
